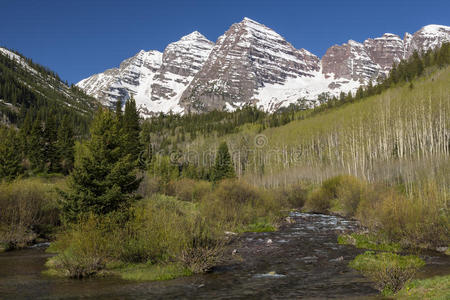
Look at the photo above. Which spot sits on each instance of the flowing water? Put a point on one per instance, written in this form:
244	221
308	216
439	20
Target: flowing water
301	260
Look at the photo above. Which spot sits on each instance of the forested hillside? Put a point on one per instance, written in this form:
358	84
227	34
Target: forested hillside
29	88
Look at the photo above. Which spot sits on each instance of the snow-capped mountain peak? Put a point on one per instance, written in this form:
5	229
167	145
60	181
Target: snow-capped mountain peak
434	29
195	35
129	79
156	80
244	60
252	64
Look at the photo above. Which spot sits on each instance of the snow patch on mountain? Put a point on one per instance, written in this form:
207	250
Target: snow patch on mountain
302	91
133	78
252	64
18	59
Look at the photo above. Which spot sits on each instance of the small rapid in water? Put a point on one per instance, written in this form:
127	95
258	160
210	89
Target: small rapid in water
301	260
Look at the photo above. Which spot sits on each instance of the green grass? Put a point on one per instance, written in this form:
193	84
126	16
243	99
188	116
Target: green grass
151	272
436	288
389	271
367	241
260	226
3	247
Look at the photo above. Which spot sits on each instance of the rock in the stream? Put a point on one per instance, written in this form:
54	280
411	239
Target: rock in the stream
340	258
269	241
290	220
442	249
230	233
272	274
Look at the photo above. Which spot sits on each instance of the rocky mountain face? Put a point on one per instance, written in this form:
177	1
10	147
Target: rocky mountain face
156	80
246	58
251	64
180	62
367	61
427	37
133	77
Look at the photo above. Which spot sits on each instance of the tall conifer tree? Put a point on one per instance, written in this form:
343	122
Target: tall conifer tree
103	179
10	154
131	130
223	167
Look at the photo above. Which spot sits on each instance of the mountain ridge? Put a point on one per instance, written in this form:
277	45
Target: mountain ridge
252	64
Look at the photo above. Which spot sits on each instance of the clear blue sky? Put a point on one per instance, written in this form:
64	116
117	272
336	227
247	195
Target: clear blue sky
79	38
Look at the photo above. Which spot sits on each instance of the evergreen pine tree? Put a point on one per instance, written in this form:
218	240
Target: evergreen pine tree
35	146
223	167
65	146
25	132
131	130
103	179
49	140
10	154
119	112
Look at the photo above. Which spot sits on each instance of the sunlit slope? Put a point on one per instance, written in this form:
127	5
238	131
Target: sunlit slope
369	138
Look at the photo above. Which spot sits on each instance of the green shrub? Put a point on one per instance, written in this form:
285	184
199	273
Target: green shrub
234	205
83	249
346	190
389	271
350	192
318	201
294	195
28	210
157	230
419	219
234	192
204	250
190	190
150	185
341	194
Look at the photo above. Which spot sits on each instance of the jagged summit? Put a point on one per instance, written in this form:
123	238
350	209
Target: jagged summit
154	79
247	20
248	57
252	64
195	35
258	29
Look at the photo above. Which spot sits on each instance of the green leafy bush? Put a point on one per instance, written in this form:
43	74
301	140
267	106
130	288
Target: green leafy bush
83	249
234	205
190	190
295	195
318	201
419	219
341	194
28	210
389	271
157	230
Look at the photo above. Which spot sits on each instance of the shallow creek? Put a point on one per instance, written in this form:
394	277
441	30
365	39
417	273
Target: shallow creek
301	260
